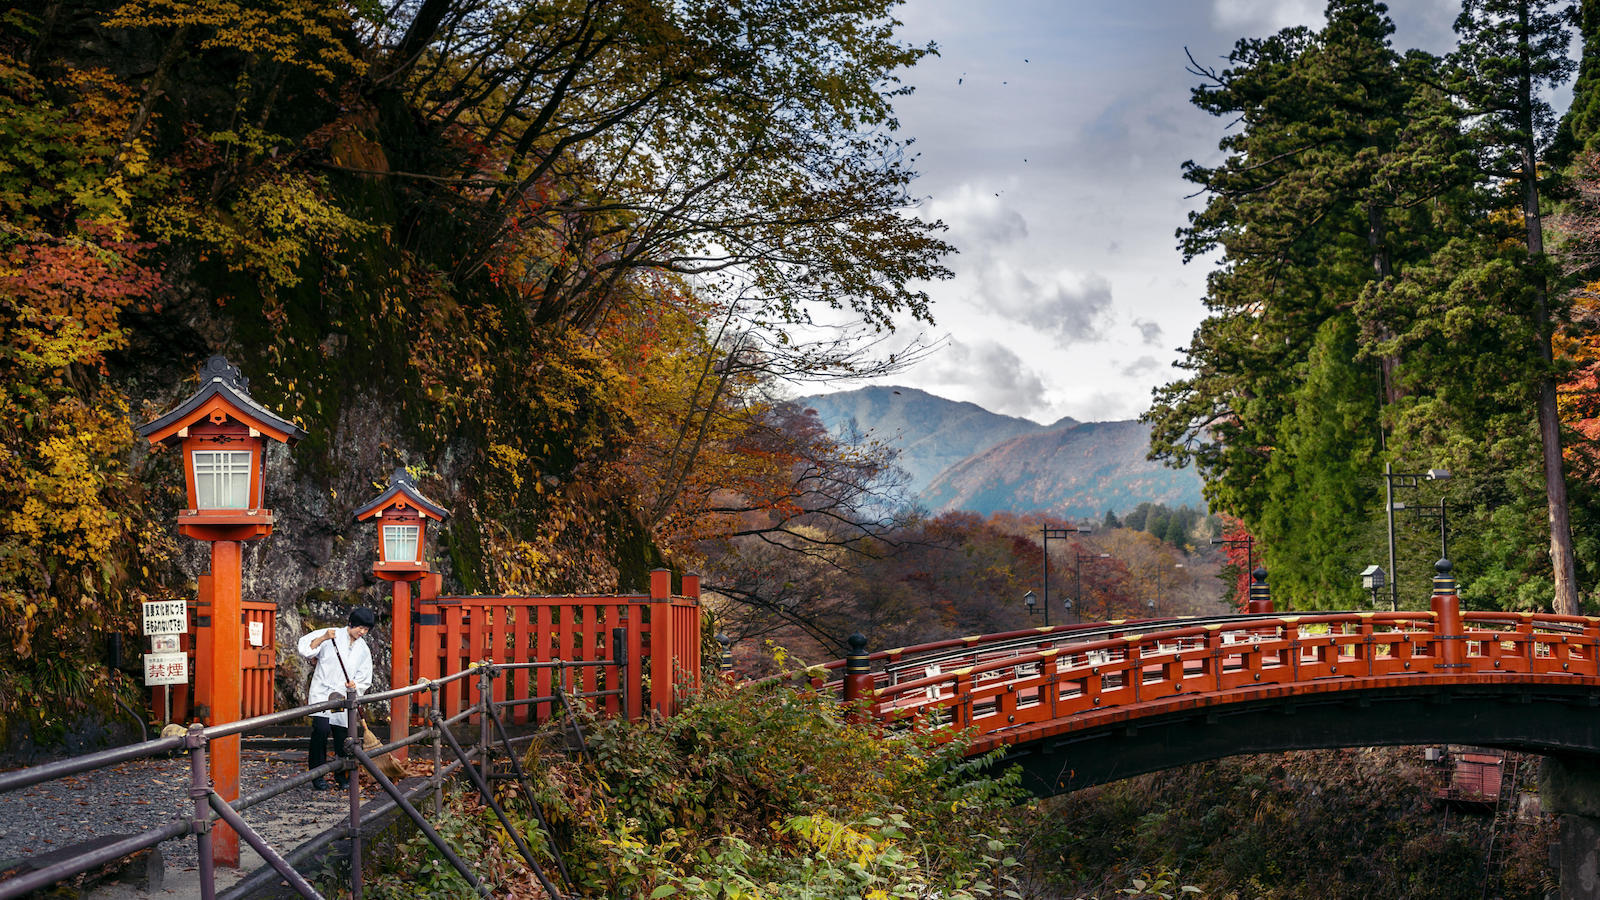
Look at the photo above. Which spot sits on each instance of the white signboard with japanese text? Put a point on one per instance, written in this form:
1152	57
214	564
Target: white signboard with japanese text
166	668
166	617
257	634
164	643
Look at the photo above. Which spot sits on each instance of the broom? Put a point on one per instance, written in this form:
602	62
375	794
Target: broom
387	764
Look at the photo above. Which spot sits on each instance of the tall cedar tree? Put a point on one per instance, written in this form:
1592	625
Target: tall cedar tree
1509	51
1305	210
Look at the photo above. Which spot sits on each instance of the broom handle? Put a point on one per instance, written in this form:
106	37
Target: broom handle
360	716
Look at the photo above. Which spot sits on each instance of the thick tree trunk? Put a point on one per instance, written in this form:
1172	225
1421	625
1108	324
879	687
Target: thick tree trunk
1564	573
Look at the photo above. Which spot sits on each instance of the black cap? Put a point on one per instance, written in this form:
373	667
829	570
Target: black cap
363	617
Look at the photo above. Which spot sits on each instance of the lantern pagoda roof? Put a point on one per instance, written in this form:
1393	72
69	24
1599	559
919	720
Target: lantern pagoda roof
401	486
221	385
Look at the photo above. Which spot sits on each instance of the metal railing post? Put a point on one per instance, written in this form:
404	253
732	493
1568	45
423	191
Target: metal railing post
200	793
434	714
619	658
352	740
486	675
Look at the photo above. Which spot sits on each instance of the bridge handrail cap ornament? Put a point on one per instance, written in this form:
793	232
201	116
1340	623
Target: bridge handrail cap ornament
1365	615
961	672
1289	620
1213	627
1046	654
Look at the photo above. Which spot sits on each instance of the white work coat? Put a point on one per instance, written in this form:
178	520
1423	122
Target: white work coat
328	678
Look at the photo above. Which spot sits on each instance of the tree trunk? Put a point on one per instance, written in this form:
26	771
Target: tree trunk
1565	601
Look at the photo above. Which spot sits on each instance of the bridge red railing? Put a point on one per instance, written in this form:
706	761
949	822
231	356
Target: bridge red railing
998	693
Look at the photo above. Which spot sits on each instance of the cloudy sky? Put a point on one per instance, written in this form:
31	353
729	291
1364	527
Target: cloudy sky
1051	135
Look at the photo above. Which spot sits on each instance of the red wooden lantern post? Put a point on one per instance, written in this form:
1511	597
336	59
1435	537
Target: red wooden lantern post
223	434
402	513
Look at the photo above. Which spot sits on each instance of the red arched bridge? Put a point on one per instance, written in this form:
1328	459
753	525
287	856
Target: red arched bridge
1081	705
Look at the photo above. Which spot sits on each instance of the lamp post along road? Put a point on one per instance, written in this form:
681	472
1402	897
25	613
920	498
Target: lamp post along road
223	435
1048	533
1392	480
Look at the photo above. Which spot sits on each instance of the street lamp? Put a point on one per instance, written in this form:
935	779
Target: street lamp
1156	600
1047	533
1372	579
403	513
1392	480
1077	574
1032	603
1432	511
223	434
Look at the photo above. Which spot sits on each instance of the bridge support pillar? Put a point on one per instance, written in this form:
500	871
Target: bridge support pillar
1569	788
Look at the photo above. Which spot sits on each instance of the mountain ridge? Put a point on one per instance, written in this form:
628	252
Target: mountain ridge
961	456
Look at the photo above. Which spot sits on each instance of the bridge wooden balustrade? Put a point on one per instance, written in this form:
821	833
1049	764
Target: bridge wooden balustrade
1021	686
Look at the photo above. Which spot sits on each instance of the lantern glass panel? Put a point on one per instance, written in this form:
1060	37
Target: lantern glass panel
222	479
400	542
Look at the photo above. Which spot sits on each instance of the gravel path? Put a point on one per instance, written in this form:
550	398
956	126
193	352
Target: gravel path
135	796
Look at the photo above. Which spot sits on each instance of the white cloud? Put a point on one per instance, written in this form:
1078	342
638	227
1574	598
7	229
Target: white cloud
988	374
979	222
1256	18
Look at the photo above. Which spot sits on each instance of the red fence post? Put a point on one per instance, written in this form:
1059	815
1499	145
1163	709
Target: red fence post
1447	618
857	676
662	651
691	590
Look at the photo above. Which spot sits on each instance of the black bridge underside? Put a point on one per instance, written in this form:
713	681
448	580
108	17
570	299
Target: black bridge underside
1550	719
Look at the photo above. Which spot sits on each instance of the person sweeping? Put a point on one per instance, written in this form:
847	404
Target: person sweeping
343	667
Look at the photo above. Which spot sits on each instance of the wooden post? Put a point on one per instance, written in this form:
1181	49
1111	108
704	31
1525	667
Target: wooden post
857	677
226	684
1447	618
662	651
400	663
427	646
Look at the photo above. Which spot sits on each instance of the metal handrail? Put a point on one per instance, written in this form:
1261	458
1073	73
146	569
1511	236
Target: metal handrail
209	806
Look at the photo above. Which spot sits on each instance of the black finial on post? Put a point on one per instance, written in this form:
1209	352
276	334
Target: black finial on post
1260	593
1443	583
1447	623
857	669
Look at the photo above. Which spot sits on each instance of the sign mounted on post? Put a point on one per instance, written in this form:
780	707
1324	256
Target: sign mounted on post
166	668
166	617
257	631
164	643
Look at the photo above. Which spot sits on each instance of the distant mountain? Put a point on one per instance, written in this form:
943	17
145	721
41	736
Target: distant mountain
932	433
1073	471
961	456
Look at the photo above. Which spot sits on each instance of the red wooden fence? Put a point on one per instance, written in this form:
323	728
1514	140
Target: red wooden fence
661	653
661	632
